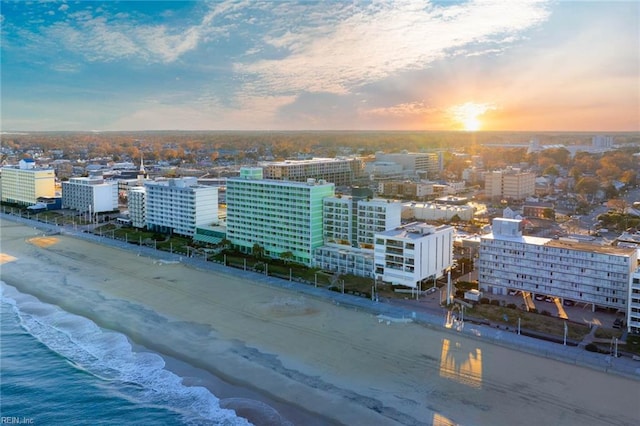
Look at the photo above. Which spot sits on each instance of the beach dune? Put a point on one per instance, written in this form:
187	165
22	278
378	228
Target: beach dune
333	363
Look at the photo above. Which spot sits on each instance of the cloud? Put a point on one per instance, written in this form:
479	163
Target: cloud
100	37
402	110
63	7
380	39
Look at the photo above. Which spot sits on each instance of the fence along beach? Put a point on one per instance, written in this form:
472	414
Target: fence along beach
323	361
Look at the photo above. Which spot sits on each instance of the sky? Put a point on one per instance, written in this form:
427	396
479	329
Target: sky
320	65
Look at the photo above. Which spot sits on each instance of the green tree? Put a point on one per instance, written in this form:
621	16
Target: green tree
588	186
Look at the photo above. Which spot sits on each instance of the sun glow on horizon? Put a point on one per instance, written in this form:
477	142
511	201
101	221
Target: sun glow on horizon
466	115
472	124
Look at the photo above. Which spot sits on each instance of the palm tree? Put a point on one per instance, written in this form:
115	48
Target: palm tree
286	256
258	251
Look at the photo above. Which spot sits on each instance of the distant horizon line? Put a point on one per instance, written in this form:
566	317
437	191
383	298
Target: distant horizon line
18	132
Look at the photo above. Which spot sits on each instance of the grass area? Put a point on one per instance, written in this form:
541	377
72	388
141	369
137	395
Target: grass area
529	321
633	344
607	333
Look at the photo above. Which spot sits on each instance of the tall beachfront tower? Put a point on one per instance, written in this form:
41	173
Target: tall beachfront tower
137	205
179	205
279	216
25	183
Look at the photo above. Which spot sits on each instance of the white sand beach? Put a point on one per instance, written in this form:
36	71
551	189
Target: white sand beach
337	364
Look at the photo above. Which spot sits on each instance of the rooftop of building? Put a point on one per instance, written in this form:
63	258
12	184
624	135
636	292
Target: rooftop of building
565	243
413	231
306	161
439	206
285	183
595	248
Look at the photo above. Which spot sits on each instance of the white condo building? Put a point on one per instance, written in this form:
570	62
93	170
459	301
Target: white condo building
90	194
24	184
413	253
589	273
350	225
279	216
375	216
179	205
633	313
137	206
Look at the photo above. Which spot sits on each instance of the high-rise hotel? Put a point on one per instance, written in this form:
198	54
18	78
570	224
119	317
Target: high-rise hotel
279	216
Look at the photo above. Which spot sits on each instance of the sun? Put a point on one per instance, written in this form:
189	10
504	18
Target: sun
472	124
465	116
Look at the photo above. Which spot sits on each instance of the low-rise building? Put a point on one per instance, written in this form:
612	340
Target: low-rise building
406	190
346	260
567	269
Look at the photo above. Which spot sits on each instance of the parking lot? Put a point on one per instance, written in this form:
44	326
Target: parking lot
578	312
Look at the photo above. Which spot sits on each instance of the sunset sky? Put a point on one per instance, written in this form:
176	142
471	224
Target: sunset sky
326	65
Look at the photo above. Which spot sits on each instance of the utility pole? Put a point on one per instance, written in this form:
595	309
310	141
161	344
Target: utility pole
449	286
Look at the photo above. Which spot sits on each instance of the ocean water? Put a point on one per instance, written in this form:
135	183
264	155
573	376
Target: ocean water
58	368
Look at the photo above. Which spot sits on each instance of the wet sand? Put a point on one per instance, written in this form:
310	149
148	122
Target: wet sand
325	362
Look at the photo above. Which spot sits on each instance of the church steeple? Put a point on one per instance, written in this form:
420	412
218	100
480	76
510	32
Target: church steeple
142	173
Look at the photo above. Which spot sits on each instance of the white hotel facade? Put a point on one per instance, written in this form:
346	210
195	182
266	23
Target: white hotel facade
582	272
349	226
179	205
91	194
137	206
633	313
413	253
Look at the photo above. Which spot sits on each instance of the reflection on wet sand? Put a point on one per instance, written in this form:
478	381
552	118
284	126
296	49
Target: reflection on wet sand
460	365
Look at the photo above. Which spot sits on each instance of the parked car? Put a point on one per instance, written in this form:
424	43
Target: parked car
513	292
549	299
568	302
539	297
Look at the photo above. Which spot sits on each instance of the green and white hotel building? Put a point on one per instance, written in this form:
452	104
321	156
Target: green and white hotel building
279	216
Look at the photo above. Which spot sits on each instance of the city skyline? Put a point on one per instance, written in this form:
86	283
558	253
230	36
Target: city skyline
524	66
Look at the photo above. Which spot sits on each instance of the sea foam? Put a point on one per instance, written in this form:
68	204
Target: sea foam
109	356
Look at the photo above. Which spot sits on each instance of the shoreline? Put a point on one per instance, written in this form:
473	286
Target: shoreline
338	363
